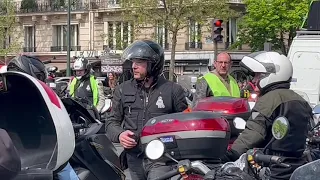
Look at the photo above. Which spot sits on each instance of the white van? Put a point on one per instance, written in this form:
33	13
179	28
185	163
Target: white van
304	54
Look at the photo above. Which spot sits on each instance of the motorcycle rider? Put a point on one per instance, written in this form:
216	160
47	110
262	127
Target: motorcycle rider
34	67
273	73
137	100
218	82
85	85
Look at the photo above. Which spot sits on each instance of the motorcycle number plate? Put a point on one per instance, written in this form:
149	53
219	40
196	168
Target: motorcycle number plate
167	139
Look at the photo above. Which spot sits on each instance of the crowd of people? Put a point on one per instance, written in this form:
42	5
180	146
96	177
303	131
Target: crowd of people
148	94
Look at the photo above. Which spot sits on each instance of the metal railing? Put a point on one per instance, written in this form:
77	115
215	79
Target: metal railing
32	6
64	48
193	45
29	49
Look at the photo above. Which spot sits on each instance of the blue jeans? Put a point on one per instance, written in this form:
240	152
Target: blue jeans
67	173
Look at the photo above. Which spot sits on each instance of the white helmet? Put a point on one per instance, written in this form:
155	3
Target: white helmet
82	63
275	68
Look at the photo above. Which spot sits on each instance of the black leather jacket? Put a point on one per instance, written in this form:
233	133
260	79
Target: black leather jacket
133	106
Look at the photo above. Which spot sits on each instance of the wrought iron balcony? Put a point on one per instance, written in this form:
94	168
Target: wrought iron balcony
29	49
64	48
104	4
193	45
32	6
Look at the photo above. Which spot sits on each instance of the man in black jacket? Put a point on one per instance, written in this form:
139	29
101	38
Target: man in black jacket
273	73
136	101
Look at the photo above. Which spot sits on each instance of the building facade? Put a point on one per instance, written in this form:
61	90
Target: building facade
96	24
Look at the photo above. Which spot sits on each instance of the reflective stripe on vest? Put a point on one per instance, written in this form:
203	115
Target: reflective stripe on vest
219	89
94	88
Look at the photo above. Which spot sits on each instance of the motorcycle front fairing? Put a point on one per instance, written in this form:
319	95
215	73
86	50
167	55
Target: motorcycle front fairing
98	155
37	122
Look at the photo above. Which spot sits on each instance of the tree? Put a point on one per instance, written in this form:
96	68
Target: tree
8	29
274	21
174	15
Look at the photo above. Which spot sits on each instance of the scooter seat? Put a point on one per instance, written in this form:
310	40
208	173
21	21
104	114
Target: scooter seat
35	174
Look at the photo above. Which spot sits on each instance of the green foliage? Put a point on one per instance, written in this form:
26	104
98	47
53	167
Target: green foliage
274	21
174	14
8	29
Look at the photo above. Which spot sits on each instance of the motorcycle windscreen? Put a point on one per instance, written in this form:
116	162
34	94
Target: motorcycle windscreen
308	171
73	106
31	123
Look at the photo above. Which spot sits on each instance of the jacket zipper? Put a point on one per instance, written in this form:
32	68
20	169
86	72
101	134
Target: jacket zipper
146	101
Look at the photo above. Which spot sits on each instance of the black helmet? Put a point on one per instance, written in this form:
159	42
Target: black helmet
146	50
30	65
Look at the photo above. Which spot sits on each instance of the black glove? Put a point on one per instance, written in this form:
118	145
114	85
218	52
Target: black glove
233	173
230	156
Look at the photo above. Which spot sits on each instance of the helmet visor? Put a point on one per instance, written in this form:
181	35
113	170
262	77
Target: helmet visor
140	50
253	64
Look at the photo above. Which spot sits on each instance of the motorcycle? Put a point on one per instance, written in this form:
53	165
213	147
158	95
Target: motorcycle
189	138
37	123
246	168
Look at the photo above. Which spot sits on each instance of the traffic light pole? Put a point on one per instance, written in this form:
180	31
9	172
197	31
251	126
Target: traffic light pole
215	44
216	30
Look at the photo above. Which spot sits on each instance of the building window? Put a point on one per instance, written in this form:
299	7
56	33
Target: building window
195	35
114	3
191	69
29	39
162	35
120	34
6	39
60	41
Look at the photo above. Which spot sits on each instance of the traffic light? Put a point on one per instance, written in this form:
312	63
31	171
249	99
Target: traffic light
216	30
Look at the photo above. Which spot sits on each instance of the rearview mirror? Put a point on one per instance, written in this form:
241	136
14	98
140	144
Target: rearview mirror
155	149
239	123
280	128
316	109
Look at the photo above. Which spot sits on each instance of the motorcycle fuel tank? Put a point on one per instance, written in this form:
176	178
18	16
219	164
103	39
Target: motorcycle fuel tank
194	135
228	107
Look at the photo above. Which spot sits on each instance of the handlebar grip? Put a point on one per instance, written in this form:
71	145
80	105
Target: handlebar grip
258	157
168	175
77	126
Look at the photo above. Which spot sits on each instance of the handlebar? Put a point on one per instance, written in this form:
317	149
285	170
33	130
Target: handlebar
183	167
78	126
259	157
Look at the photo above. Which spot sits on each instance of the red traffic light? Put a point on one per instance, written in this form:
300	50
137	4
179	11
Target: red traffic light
218	22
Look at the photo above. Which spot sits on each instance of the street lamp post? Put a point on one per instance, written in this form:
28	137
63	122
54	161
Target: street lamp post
69	39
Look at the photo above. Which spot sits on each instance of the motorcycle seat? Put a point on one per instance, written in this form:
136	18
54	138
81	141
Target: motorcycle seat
35	174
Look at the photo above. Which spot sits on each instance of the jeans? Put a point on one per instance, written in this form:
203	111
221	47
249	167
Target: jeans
67	173
135	166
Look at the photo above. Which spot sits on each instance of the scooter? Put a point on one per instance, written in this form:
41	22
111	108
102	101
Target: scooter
37	123
95	157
